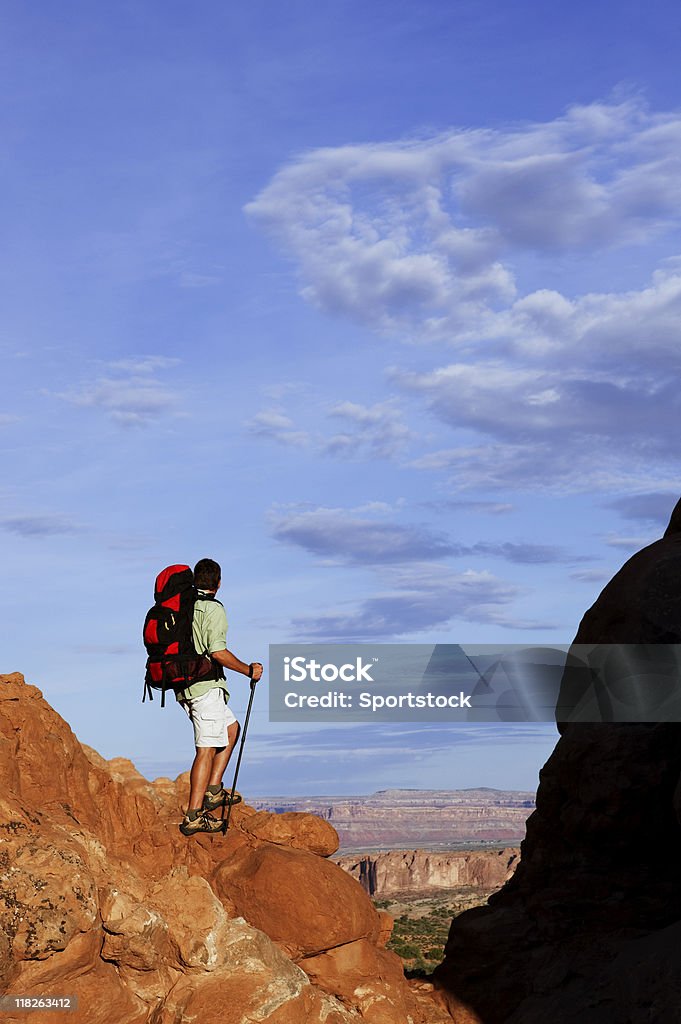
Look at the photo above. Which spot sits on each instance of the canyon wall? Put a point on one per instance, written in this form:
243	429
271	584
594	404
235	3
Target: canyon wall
418	871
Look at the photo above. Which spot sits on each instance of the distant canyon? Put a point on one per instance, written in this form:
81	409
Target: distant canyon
424	819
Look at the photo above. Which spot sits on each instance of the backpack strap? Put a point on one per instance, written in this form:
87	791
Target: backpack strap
219	670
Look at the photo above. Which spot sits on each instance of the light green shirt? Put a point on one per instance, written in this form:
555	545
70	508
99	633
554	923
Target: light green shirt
209	633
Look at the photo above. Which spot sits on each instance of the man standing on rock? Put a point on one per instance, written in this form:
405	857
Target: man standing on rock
216	730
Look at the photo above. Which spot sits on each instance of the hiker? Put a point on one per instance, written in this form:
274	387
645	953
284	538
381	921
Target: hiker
215	728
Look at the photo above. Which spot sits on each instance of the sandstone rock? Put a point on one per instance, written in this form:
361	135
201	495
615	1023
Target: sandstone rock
48	895
50	924
363	976
252	980
17	678
102	998
139	939
199	925
433	1007
305	904
130	818
298	831
178	947
587	929
166	789
103	898
41	758
387	923
122	770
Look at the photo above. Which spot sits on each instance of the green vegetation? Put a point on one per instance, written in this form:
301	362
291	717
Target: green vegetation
419	941
422	925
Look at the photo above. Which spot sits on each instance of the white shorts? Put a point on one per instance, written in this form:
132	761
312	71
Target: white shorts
211	716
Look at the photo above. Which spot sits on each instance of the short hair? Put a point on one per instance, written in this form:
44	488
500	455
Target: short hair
207	574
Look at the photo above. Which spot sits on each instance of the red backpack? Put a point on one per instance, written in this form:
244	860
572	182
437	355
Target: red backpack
173	663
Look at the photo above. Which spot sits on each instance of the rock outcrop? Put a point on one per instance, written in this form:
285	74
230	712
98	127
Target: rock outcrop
102	898
401	871
588	927
426	818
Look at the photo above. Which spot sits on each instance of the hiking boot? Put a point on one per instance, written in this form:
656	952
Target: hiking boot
201	823
212	801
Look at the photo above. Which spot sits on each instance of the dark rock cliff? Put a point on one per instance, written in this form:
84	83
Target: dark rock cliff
589	927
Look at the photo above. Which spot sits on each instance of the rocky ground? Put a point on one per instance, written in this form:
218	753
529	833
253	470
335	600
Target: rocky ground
102	897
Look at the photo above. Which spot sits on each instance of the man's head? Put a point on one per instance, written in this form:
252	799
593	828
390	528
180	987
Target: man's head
207	574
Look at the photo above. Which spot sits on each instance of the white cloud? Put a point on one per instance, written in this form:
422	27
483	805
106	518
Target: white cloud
275	426
357	536
368	431
39	525
366	536
590	575
144	364
521	405
373	430
553	426
131	393
629	543
635	331
128	402
410	234
418	237
538	465
424	596
282	389
491	508
650	507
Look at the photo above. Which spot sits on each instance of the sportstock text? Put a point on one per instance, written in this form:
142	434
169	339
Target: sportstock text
394	674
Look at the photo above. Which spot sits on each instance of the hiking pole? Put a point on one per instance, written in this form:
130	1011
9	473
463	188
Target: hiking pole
241	750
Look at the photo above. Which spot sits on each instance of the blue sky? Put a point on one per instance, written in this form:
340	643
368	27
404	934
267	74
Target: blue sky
378	305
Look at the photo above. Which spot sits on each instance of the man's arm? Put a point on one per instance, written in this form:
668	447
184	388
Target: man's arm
229	660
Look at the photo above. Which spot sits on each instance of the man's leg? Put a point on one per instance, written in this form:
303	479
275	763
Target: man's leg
213	722
209	767
223	754
199	776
